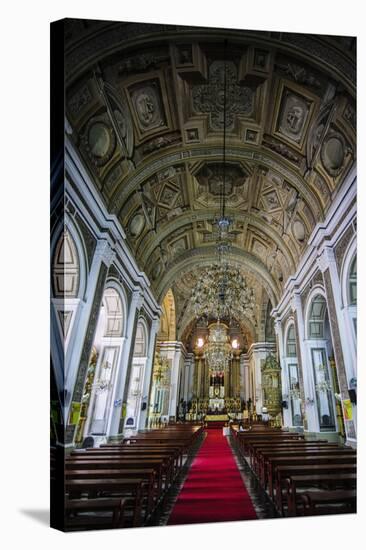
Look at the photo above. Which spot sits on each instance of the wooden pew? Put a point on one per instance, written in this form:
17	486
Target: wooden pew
83	513
140	468
288	470
268	458
173	450
171	462
255	449
244	440
130	489
160	466
332	481
329	502
150	489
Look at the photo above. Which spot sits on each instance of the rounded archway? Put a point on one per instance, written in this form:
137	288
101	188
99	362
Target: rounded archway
104	362
320	349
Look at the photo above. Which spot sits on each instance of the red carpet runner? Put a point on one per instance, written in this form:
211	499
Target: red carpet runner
214	489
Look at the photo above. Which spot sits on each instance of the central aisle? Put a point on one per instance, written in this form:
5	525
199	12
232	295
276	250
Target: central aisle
214	489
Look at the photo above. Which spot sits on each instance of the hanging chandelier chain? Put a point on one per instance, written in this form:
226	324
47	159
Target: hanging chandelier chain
221	291
224	141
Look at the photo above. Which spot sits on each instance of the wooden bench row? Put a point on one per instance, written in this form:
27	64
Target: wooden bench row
298	474
129	480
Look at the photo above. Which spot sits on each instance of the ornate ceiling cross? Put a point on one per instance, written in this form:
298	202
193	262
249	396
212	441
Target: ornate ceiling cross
209	98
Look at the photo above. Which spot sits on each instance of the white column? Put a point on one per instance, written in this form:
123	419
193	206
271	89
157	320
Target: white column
287	420
327	261
103	253
244	378
306	368
136	303
189	361
174	380
148	373
186	377
256	355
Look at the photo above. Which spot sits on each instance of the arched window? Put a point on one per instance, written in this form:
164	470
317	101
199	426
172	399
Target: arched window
65	268
108	344
114	314
352	283
291	342
316	320
140	341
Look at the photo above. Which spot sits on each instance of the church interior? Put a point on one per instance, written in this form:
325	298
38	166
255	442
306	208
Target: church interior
203	276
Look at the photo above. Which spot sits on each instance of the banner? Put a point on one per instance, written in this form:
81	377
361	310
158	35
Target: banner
347	408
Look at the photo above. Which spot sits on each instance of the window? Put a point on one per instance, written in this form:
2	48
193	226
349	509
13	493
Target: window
316	318
352	283
65	269
114	313
140	341
291	342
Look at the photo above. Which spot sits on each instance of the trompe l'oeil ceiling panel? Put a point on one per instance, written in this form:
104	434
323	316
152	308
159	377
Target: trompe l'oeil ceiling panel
145	104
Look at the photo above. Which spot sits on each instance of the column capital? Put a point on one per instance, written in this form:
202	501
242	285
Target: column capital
104	252
155	325
278	327
137	298
296	301
326	258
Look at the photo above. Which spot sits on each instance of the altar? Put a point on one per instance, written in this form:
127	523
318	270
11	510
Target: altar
216	404
216	418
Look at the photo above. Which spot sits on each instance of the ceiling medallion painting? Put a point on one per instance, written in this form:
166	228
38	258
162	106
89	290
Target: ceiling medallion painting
99	141
137	225
148	106
333	153
294	114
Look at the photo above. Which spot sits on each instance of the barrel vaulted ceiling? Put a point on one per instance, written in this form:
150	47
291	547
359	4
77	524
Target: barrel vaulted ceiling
145	106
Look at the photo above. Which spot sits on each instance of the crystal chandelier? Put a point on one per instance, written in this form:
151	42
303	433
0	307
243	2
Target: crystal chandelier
218	351
222	292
